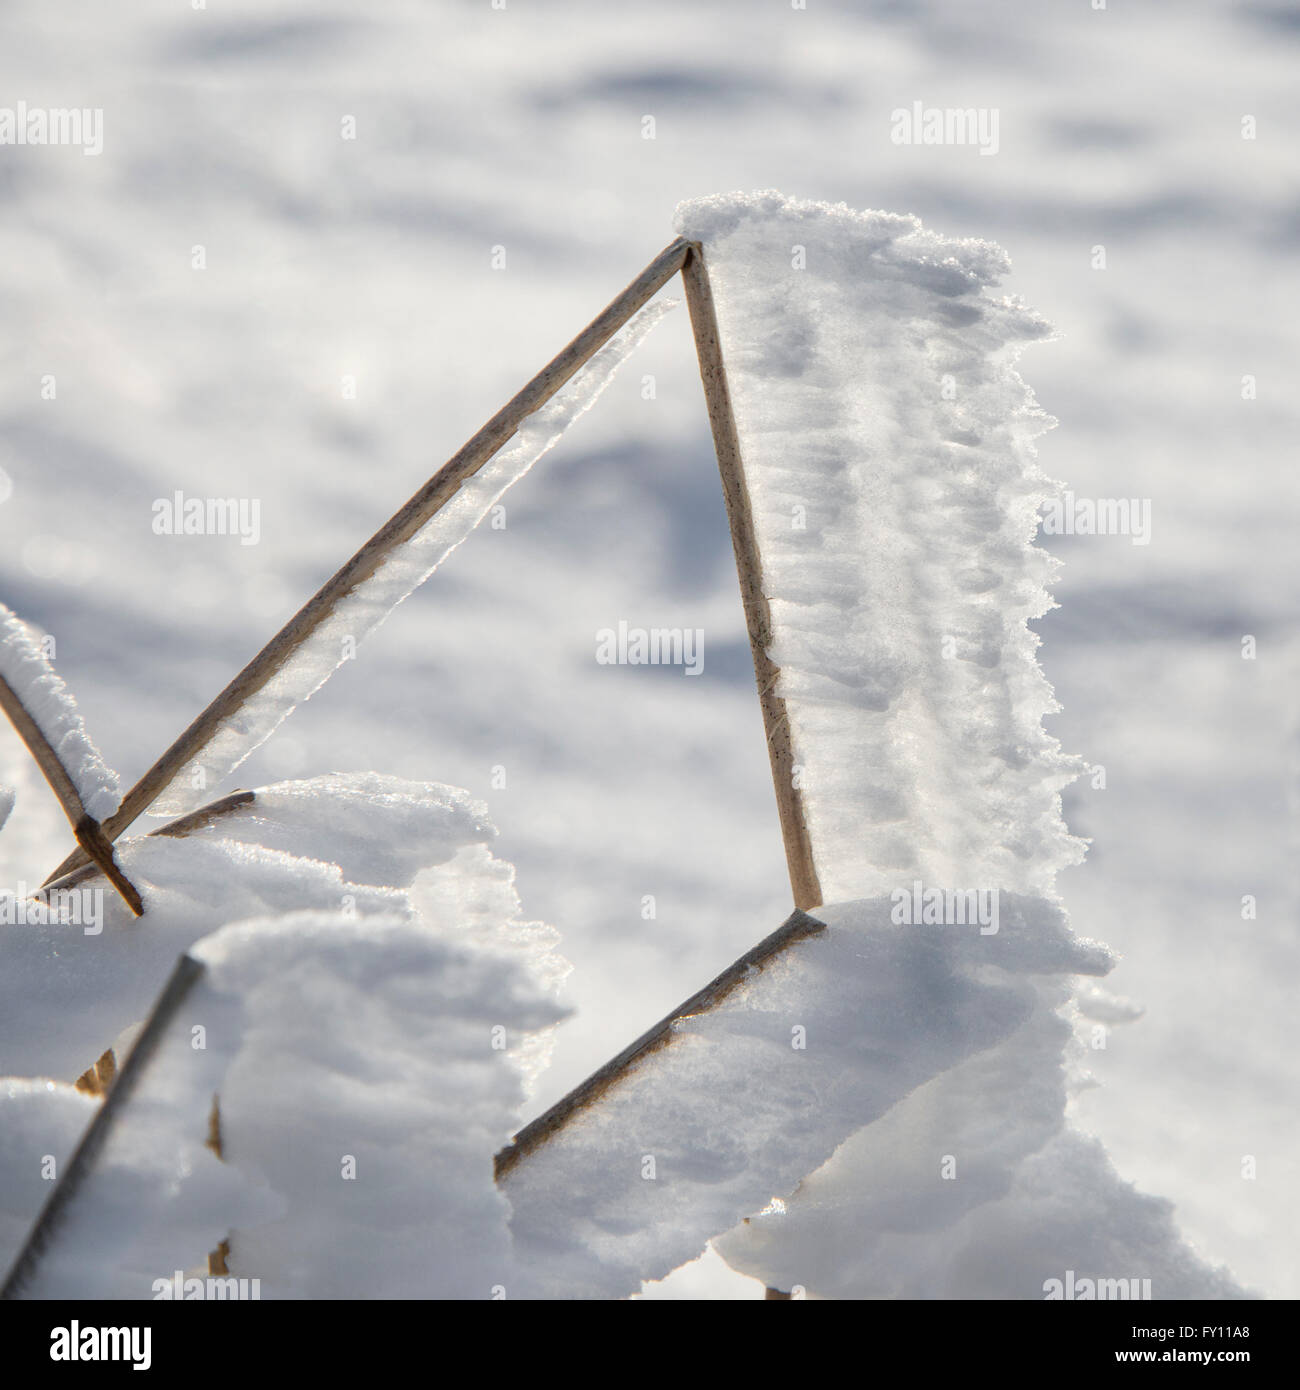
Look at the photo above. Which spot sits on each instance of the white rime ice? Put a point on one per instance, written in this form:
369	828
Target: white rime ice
886	439
361	611
50	704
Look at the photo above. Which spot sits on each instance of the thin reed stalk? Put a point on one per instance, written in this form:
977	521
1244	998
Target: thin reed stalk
749	566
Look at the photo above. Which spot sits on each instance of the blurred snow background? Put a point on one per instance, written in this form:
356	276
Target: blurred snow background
522	128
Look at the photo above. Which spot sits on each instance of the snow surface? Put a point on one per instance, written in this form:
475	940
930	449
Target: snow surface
47	699
886	439
406	568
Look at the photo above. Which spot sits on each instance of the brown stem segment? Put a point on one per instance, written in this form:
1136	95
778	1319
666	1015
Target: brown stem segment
749	566
96	1080
91	838
434	495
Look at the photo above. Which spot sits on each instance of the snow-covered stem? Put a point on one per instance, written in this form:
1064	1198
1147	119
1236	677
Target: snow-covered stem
49	762
90	837
749	567
797	926
435	494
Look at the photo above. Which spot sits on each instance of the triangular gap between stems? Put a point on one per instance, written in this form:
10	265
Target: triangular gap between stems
681	256
430	499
